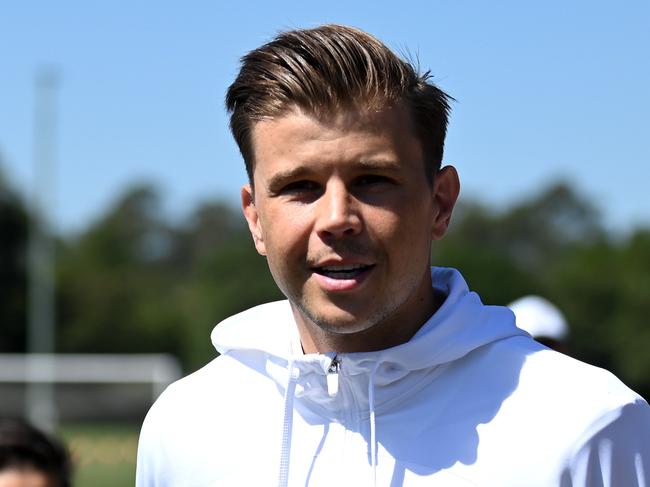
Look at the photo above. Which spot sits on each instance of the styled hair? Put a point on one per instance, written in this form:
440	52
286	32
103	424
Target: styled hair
24	447
328	69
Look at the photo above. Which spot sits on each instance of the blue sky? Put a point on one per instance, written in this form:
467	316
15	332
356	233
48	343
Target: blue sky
545	90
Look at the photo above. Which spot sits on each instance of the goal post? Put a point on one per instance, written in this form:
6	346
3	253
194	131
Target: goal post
51	370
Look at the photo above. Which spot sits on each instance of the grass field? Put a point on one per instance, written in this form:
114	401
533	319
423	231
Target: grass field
103	454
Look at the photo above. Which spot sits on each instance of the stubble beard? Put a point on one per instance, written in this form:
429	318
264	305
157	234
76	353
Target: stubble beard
378	314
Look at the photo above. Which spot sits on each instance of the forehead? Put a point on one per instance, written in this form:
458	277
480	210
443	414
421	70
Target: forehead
342	136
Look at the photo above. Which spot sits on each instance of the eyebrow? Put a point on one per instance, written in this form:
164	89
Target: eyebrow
380	164
285	175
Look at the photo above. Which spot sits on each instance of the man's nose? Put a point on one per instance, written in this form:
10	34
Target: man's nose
338	213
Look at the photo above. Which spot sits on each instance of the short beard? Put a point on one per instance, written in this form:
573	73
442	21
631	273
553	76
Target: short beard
377	316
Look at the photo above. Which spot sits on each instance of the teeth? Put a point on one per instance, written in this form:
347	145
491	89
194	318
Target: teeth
349	271
342	268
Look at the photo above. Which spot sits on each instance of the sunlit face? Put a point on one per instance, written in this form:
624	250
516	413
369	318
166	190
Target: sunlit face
344	213
23	477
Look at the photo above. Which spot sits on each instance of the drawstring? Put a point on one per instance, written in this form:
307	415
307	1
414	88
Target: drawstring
283	477
373	427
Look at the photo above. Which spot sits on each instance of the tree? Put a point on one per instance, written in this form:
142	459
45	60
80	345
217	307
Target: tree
116	290
133	282
14	229
507	254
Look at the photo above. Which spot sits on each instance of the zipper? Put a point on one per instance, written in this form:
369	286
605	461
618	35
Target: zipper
333	376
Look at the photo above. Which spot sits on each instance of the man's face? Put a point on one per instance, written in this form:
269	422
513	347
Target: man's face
344	213
24	477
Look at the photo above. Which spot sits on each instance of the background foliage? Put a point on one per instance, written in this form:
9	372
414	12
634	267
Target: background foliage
136	281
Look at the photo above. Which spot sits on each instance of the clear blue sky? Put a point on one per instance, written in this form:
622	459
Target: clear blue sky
545	90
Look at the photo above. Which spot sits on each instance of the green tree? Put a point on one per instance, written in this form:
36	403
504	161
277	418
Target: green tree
507	254
604	289
14	227
133	282
223	275
116	291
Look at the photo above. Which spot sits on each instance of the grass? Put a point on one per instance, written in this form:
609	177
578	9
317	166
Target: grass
103	454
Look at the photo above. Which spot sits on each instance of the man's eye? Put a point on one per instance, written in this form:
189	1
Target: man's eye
372	179
299	187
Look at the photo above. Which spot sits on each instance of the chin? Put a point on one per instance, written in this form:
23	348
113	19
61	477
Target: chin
339	321
343	327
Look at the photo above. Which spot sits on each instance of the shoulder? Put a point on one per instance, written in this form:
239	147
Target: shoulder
208	391
245	341
576	402
555	382
552	393
556	415
183	399
557	375
199	425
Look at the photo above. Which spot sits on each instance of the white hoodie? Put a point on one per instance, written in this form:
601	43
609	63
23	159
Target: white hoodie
470	400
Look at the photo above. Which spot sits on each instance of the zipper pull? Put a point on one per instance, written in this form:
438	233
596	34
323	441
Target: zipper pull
333	376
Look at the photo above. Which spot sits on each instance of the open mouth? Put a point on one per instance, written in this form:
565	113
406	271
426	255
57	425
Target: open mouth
350	271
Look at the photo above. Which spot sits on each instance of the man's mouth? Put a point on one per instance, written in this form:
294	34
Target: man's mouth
349	271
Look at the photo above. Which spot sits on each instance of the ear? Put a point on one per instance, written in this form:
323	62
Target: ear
253	218
446	187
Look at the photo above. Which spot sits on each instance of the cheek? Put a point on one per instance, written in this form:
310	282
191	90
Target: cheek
286	232
387	225
407	233
407	221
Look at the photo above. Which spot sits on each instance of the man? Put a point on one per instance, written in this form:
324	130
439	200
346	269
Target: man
28	458
377	370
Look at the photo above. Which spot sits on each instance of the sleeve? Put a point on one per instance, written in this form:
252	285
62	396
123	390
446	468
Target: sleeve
151	468
615	453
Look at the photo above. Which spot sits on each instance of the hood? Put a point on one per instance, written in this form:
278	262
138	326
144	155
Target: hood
462	324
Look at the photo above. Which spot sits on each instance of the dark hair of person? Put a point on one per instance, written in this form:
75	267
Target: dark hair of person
24	447
331	68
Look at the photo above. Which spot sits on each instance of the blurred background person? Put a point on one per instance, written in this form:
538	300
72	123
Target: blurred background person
543	320
29	458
